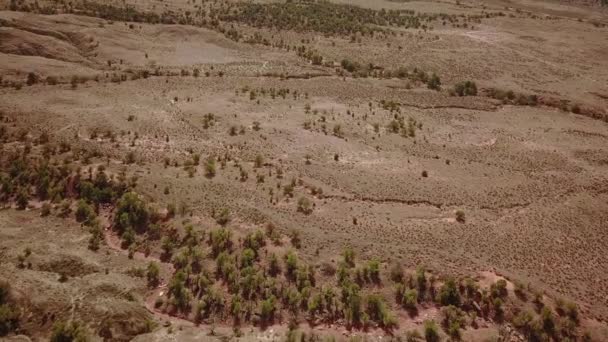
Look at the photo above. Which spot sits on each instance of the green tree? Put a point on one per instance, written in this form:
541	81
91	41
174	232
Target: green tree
352	303
274	267
524	322
291	264
499	289
448	294
22	199
128	238
153	274
84	212
434	82
421	281
349	257
410	300
132	212
378	312
210	168
247	257
431	333
267	310
373	269
223	217
467	88
220	240
96	236
548	320
179	292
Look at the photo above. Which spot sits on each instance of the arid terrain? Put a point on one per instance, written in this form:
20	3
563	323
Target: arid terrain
185	170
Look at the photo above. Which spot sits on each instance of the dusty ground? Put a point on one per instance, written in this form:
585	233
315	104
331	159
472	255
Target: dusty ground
532	181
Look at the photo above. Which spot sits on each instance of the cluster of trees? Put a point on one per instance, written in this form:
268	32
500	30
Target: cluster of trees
254	93
335	19
545	324
466	88
319	16
399	126
510	97
463	301
216	276
300	15
311	54
250	284
28	175
416	75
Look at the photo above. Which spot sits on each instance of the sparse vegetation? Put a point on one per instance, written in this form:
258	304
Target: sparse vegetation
110	173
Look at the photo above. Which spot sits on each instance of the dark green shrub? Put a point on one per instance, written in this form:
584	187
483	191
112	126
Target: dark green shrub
274	267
